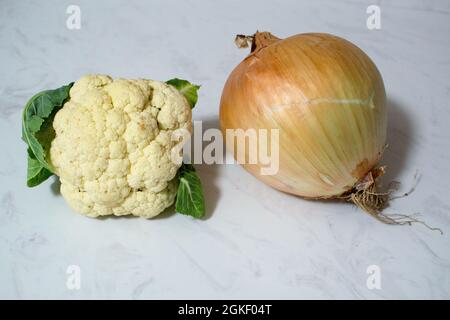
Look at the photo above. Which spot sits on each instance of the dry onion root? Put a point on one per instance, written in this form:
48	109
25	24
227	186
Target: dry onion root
327	98
366	196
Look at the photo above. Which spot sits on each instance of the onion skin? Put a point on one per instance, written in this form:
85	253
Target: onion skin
327	99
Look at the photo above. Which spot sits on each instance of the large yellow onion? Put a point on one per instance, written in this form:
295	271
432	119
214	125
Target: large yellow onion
328	101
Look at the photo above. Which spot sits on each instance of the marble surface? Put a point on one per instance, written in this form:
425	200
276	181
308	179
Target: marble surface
256	242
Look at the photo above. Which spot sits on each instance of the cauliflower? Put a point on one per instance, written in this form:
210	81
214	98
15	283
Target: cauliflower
112	146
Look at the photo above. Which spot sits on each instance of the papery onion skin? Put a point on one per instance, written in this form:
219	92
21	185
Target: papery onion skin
327	98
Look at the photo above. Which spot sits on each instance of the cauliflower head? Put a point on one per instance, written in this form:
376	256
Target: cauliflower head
113	144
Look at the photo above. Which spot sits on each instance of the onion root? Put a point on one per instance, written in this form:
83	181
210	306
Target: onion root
366	196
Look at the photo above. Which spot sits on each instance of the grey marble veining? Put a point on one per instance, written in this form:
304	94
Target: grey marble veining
257	242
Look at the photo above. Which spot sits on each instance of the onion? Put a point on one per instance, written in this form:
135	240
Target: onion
327	98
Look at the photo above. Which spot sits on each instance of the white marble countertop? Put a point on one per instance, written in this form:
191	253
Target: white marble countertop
257	242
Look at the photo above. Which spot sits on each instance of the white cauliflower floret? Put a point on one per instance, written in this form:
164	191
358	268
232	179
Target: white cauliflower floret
113	144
